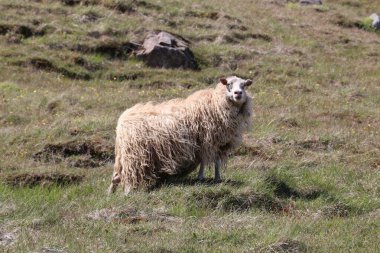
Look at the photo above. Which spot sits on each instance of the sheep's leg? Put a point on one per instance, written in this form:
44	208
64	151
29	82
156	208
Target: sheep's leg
116	179
115	182
127	189
218	165
201	173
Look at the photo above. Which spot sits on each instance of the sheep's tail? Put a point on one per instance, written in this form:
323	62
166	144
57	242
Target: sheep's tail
116	177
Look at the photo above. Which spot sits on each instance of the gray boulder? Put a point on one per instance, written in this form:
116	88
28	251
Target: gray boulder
310	2
165	50
375	21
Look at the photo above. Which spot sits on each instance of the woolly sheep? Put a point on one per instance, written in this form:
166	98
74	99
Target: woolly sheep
154	141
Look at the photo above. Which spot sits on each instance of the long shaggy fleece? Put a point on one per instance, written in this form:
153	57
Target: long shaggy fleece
172	138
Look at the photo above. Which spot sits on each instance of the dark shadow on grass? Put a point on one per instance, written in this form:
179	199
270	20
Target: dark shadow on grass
175	181
283	190
228	201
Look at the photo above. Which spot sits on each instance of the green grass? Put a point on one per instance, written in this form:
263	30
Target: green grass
305	179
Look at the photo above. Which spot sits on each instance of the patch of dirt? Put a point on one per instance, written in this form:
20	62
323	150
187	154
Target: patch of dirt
242	201
238	37
348	116
22	6
147	5
234	19
72	74
283	190
125	77
23	31
90	153
7	238
155	85
48	249
42	179
89	17
70	2
110	32
150	85
375	164
37	224
128	7
7	208
237	27
208	15
82	162
53	106
151	231
337	210
86	64
202	26
256	36
352	4
374	214
111	49
285	246
56	45
254	151
169	22
122	7
318	144
41	63
207	37
215	60
357	96
248	200
288	122
346	22
12	120
300	87
47	65
130	215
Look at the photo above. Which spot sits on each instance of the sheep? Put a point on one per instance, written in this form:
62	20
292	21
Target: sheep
173	138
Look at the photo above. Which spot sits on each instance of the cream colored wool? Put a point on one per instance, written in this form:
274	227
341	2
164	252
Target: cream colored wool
172	138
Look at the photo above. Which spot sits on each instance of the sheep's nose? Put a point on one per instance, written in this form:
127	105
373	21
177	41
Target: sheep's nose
238	92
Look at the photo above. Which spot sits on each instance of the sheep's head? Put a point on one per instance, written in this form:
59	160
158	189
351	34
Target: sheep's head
235	91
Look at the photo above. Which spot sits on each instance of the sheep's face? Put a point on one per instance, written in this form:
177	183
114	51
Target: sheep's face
236	89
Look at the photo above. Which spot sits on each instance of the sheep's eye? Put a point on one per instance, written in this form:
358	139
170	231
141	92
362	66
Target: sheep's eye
230	85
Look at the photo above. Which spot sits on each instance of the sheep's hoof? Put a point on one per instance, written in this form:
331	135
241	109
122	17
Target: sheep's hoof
218	180
201	179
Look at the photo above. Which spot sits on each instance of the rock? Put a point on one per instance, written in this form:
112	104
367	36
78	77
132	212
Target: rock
375	21
165	50
310	2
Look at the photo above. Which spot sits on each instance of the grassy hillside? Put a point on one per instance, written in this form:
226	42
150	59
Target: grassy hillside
305	180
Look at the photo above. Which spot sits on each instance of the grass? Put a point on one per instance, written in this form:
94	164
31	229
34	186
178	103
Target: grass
305	179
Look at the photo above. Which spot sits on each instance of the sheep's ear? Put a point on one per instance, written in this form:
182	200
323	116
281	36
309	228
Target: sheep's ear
248	82
223	81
